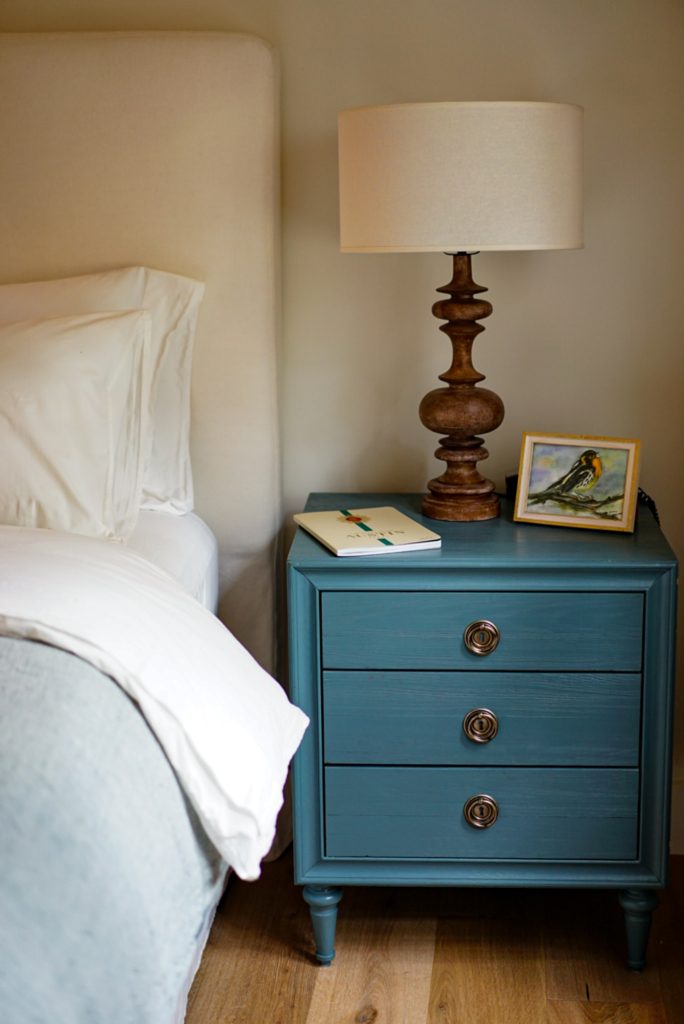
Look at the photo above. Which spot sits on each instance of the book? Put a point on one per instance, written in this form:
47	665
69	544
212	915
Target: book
367	531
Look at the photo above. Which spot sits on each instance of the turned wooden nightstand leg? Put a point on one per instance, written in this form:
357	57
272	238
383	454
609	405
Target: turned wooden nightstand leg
638	905
323	900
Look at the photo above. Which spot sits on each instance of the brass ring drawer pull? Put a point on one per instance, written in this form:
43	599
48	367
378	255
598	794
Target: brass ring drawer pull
481	811
480	725
481	637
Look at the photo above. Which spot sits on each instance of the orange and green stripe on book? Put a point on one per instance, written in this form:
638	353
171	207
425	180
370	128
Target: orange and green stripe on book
357	521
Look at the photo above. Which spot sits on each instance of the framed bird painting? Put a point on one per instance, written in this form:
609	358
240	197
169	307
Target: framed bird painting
573	480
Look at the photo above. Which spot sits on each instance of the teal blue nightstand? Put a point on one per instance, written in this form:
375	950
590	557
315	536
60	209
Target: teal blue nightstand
497	712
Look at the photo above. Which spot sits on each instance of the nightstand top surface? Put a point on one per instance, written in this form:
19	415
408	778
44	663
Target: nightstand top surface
488	543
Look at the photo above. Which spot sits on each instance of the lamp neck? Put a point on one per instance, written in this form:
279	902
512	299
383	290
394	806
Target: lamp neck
462	288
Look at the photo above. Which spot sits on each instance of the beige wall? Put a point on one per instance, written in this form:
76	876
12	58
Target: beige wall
580	342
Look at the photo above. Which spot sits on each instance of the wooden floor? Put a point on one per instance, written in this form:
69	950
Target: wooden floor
433	956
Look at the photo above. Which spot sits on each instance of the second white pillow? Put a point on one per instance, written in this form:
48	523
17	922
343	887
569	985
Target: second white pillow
74	395
173	302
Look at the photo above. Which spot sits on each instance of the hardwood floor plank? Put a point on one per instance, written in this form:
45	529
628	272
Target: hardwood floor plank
381	974
605	1013
489	969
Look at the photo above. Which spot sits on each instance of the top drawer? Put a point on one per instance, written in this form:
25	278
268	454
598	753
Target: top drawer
537	631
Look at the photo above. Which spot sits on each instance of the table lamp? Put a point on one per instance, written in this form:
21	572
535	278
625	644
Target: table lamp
460	178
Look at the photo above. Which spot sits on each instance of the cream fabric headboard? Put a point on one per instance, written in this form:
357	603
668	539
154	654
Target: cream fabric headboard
160	149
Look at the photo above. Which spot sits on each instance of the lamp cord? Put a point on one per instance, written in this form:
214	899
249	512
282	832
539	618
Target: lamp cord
645	499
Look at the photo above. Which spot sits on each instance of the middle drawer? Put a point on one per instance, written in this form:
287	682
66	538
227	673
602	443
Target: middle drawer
417	718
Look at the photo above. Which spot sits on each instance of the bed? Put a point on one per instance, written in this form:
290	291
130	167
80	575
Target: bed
144	746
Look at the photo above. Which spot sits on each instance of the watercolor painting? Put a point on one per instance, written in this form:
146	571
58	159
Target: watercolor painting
578	481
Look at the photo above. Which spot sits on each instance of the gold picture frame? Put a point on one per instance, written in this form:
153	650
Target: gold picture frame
577	480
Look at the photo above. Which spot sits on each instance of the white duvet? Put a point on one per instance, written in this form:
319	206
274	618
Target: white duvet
227	728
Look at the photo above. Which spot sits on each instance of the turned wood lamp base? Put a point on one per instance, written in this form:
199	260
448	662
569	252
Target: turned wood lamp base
461	410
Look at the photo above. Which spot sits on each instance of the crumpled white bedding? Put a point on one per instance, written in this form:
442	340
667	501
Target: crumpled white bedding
227	728
184	546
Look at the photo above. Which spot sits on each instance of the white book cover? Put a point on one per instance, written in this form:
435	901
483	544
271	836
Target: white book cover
367	531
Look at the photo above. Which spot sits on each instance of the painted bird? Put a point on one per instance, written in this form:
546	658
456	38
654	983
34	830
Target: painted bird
581	476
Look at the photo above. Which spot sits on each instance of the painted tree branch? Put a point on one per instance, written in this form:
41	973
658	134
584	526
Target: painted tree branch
577	504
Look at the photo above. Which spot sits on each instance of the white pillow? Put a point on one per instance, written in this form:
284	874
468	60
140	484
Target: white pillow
74	394
173	302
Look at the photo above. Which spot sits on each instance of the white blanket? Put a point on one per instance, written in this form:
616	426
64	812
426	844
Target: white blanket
226	726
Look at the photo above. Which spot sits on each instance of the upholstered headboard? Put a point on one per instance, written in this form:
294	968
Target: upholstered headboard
160	149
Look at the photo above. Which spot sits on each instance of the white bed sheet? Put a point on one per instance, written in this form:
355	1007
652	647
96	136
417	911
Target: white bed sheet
225	725
185	547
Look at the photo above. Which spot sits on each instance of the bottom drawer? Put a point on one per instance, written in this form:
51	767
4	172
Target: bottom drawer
543	813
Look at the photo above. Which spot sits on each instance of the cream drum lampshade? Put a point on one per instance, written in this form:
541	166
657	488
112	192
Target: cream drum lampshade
451	177
460	178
